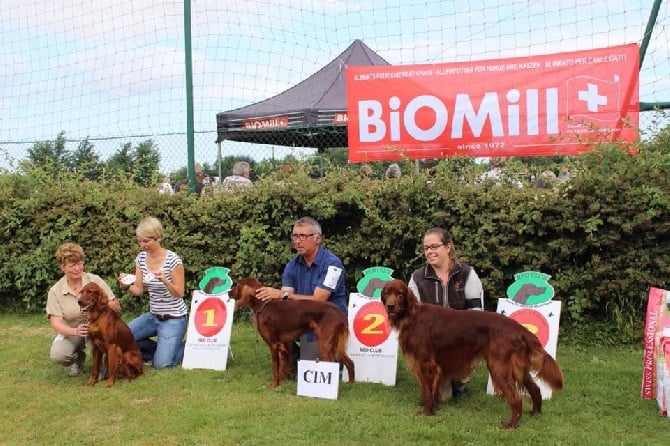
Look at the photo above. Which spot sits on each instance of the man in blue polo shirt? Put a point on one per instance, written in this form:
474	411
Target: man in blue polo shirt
315	273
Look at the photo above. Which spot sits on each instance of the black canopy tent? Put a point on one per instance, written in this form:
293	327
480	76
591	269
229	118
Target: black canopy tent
309	114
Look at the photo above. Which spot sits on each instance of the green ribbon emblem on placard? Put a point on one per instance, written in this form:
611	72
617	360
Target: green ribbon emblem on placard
216	280
373	281
530	288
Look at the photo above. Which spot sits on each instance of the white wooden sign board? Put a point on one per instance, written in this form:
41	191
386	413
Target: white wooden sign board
372	345
318	379
209	327
543	320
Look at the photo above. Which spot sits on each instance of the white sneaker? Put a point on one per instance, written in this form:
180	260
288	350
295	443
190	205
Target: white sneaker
77	366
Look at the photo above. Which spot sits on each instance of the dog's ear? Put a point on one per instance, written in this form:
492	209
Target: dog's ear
247	292
103	299
251	282
410	299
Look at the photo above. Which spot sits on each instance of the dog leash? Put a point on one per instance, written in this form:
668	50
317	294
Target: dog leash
265	302
258	336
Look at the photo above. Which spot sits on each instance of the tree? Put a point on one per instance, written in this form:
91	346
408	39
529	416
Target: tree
147	163
141	163
49	153
84	160
121	161
55	159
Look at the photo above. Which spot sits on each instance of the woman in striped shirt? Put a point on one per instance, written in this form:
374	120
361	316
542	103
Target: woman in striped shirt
159	272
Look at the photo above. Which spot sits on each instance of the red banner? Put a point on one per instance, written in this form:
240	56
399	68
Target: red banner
559	104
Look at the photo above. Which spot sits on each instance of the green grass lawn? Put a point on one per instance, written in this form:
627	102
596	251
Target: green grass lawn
600	405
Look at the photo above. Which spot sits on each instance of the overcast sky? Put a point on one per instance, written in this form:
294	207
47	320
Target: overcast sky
116	68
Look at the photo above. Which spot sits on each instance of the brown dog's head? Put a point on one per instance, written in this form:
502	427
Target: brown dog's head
91	297
398	300
244	290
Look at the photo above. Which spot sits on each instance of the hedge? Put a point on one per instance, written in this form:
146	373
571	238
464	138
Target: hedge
603	236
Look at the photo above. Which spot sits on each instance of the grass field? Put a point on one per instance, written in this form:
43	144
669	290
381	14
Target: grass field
600	405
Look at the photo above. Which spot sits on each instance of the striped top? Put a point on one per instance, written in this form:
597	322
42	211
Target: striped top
160	299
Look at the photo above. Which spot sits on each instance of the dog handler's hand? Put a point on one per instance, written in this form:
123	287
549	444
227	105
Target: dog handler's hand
267	293
120	280
82	330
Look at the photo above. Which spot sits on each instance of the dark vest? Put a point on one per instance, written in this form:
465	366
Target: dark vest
431	290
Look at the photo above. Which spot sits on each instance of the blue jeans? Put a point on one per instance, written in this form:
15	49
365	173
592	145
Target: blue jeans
168	348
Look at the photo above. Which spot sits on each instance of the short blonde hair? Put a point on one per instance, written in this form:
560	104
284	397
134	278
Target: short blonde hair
149	227
69	253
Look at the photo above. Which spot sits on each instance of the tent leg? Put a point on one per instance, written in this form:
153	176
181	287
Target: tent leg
218	160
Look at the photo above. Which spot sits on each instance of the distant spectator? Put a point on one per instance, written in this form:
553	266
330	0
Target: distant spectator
393	171
565	173
547	178
165	187
182	185
239	178
497	173
286	170
366	171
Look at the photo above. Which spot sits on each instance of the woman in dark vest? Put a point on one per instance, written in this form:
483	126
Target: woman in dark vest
444	281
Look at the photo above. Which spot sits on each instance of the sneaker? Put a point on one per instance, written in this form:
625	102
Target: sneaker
459	390
77	366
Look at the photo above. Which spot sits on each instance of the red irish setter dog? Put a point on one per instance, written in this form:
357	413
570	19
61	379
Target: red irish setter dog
110	336
280	322
445	344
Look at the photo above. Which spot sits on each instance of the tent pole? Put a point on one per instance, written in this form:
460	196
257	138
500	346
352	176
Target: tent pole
218	160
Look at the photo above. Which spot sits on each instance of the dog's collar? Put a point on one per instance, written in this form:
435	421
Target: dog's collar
265	302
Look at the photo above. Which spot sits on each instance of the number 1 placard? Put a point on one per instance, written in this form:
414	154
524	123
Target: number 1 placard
209	328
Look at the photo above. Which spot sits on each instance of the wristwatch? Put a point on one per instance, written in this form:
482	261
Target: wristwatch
285	295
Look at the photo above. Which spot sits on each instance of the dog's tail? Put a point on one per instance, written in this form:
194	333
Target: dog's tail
546	367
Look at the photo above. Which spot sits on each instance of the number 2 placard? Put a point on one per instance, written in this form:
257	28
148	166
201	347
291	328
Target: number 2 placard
373	345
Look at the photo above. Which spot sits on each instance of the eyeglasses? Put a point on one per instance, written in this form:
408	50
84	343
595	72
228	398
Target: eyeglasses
301	237
434	247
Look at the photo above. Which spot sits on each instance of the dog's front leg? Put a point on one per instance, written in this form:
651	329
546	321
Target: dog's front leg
96	359
114	357
428	382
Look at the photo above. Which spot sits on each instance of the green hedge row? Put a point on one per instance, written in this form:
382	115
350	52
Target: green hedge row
603	236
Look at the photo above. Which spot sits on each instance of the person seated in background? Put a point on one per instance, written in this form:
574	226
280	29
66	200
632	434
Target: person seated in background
498	174
239	178
546	180
565	173
165	187
182	185
366	171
